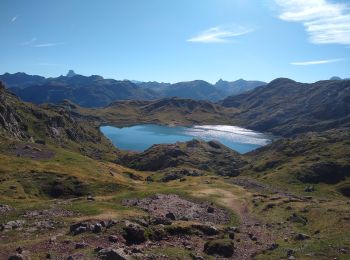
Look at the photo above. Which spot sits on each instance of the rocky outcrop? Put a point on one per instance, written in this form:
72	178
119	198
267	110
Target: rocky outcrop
220	247
48	123
204	156
134	233
12	124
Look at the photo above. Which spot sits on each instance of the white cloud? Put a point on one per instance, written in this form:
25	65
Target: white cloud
314	62
219	34
50	44
326	22
29	42
14	19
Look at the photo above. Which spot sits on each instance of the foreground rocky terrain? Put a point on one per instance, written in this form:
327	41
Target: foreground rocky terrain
67	193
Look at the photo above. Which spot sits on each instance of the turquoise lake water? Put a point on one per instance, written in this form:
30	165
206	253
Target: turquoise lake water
141	137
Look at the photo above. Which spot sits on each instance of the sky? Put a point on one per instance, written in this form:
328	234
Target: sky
177	40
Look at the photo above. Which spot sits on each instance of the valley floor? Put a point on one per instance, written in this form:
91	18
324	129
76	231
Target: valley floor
120	214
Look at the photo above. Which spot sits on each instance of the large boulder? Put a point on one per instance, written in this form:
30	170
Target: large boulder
134	233
113	254
221	247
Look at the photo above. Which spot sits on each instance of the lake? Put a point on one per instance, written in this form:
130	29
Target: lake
141	137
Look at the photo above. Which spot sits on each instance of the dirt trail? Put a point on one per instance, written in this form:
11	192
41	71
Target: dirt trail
254	235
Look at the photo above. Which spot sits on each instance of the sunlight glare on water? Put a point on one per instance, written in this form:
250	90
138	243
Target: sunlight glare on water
141	137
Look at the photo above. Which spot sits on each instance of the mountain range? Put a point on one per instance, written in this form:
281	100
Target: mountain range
96	91
286	107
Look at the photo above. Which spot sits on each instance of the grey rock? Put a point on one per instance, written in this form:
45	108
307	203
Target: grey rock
134	233
112	254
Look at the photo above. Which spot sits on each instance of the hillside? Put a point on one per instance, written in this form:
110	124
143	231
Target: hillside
198	89
237	87
311	158
164	111
49	124
285	107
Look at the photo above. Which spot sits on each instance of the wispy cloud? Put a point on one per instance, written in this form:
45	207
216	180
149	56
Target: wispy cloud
325	21
314	62
49	44
13	19
29	42
220	34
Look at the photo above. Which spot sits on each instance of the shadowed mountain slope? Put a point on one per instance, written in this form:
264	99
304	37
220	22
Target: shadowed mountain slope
49	124
285	107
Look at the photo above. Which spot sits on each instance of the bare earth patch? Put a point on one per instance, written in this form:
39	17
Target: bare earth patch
161	205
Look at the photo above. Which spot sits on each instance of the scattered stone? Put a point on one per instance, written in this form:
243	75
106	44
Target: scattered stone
14	224
80	245
196	257
19	250
233	229
301	236
210	209
149	179
160	221
221	247
111	223
298	219
290	252
269	206
4	208
252	237
273	246
97	228
206	229
309	188
98	249
112	254
113	239
40	142
231	235
90	198
343	250
17	257
170	215
52	240
79	228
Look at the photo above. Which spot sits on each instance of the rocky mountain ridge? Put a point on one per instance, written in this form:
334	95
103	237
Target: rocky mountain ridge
285	107
95	91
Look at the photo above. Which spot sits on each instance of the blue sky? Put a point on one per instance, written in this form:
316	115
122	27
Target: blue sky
170	41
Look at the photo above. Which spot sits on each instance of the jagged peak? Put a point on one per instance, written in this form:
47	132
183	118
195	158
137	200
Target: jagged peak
71	73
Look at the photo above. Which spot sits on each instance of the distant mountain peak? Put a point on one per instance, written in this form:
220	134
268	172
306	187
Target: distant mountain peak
335	78
71	73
